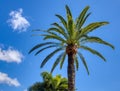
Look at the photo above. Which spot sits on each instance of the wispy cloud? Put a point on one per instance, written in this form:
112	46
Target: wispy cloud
17	21
10	55
5	79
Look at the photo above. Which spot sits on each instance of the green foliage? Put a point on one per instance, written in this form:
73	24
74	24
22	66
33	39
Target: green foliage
57	61
76	62
38	86
45	49
40	45
49	56
50	83
81	18
96	40
84	62
62	60
62	20
93	52
91	27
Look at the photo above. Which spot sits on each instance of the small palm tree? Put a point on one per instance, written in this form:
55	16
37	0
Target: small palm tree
50	83
71	36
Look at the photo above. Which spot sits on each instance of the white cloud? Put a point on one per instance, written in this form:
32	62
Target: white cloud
17	21
10	55
4	79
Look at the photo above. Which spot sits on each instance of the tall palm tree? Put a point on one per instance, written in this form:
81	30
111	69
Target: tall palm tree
50	83
71	36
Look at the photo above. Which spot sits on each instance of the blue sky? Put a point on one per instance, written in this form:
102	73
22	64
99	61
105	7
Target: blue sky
18	70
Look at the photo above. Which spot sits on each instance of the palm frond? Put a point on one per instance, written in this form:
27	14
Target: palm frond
76	63
57	61
70	27
83	61
70	22
59	29
40	45
49	56
68	11
64	22
81	18
56	30
92	27
93	51
97	40
83	21
63	81
53	36
62	60
46	76
45	49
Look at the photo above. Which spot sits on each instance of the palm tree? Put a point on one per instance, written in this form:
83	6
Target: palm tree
50	83
71	36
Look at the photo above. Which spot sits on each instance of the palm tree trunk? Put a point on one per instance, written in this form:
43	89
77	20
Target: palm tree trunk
71	72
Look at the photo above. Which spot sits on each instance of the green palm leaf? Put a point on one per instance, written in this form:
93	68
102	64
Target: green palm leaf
62	20
70	27
81	18
63	81
40	45
97	40
54	36
93	51
54	29
62	60
57	61
76	63
92	27
70	23
83	21
49	56
84	62
58	29
58	26
45	49
68	12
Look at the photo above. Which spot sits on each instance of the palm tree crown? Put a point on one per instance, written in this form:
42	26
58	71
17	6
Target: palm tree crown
71	36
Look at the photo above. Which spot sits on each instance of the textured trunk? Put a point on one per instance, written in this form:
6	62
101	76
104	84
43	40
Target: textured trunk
71	72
